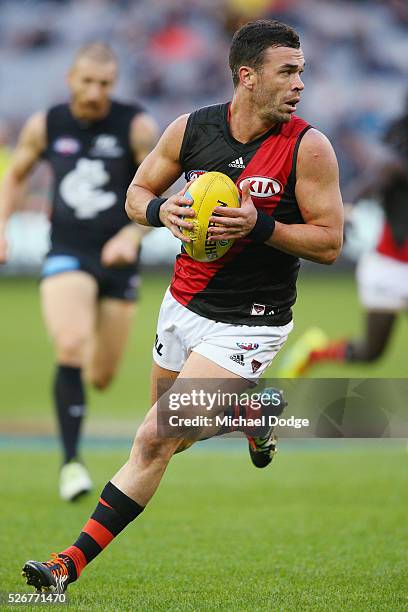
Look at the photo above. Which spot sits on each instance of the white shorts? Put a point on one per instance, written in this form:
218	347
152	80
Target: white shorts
382	282
242	349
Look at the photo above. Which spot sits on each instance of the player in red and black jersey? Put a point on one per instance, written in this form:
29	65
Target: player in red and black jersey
223	322
382	275
93	145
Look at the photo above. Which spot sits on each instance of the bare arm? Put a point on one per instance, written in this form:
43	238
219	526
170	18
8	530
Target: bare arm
319	200
123	247
159	170
31	144
144	134
318	194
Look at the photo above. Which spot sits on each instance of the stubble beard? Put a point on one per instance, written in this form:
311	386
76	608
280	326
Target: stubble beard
270	112
275	116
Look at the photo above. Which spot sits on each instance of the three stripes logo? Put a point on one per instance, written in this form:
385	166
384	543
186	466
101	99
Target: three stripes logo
237	163
238	358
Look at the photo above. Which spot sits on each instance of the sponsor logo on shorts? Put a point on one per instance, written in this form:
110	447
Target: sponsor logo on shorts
66	145
158	346
258	309
192	175
134	281
248	346
238	358
255	365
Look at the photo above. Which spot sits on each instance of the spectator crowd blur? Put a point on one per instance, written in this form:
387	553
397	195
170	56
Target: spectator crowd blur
173	57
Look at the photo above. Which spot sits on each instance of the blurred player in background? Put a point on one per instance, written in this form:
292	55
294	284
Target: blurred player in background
214	312
5	150
382	275
89	280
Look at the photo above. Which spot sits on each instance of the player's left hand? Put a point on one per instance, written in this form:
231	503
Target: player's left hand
121	250
233	223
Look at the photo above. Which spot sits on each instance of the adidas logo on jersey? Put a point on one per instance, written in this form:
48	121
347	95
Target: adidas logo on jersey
238	358
237	163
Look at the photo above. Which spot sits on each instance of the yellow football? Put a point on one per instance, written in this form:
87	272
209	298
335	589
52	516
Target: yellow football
208	191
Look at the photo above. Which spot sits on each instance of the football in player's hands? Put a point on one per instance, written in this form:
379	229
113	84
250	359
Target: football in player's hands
210	190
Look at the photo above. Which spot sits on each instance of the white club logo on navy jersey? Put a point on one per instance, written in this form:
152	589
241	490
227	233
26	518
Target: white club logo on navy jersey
81	189
106	145
262	186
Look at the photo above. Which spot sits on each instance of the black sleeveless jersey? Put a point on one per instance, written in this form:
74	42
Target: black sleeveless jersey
253	284
93	165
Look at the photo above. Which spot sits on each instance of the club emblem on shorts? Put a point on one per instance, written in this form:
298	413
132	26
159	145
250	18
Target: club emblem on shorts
238	358
247	346
134	281
258	309
255	365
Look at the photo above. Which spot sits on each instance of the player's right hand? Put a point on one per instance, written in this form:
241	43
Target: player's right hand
173	213
3	248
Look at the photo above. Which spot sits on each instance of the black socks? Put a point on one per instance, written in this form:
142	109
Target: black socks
69	400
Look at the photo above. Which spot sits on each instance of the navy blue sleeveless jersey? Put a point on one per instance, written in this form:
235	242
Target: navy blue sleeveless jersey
253	284
92	165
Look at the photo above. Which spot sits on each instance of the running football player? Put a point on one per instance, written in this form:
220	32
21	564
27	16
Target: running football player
241	304
90	276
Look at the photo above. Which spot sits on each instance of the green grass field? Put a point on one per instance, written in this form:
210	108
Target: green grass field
324	528
329	301
321	530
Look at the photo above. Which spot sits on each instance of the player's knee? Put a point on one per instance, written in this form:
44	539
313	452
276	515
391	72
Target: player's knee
70	347
150	447
99	380
184	445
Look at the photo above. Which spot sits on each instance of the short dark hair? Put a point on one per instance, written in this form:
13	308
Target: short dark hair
250	42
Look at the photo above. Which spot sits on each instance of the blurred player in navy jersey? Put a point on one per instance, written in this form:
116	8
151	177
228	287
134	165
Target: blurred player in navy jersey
382	275
94	145
224	321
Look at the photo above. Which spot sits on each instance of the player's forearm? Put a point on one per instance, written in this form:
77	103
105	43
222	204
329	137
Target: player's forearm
9	197
316	243
137	199
134	232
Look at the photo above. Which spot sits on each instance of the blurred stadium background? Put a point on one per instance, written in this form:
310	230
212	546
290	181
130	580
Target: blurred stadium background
173	59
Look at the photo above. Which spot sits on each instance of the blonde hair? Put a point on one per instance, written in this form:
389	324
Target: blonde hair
98	52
